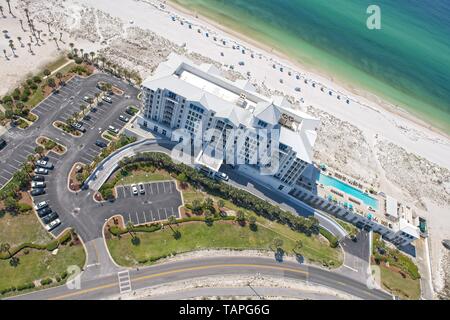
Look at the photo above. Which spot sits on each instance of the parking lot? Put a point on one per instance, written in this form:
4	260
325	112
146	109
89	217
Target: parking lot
161	200
13	160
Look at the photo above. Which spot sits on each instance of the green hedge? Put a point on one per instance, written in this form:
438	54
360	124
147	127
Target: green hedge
52	245
334	242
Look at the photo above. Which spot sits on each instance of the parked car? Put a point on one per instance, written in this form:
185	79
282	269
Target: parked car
129	111
221	176
107	99
44	164
41	205
87	117
100	144
52	225
87	99
43	212
79	126
112	129
38	178
134	189
141	188
123	118
41	170
2	143
37	184
37	192
50	217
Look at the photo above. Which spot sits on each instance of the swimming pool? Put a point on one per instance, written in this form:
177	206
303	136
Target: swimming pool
348	189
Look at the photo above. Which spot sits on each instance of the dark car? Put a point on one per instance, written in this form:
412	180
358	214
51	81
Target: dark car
2	143
129	111
50	217
44	211
44	164
100	143
37	192
38	178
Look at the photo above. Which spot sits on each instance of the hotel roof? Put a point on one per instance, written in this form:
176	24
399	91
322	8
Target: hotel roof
238	102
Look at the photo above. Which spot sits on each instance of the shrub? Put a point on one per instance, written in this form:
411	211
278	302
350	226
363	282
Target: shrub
46	281
334	242
24	207
25	286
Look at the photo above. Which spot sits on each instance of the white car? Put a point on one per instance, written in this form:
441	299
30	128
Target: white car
52	225
141	188
123	118
221	175
107	99
41	205
112	129
134	189
41	171
37	184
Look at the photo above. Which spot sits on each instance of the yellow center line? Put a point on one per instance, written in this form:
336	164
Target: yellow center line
142	278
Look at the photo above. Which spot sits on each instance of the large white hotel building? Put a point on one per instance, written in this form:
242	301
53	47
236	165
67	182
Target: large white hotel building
184	100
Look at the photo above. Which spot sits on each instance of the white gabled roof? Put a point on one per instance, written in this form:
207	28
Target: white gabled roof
267	112
204	85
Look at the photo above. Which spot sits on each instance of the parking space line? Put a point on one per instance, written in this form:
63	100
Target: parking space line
173	214
157	188
137	217
164	186
129	217
165	213
123	191
145	218
159	216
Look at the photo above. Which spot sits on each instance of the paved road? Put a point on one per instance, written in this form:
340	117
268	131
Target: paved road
100	288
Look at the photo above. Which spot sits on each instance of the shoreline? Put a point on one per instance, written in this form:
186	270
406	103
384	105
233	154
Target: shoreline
381	104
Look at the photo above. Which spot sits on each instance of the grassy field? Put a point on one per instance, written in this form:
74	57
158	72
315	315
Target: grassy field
22	228
37	264
404	287
40	264
197	235
143	176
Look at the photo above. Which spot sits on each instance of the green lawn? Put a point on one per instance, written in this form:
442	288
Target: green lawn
142	176
39	265
35	98
22	228
404	287
197	235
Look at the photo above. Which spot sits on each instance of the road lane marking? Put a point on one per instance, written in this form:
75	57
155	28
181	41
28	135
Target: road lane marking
165	273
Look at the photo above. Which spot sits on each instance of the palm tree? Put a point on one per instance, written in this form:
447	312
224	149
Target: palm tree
56	41
49	30
4	52
60	36
20	41
28	17
59	76
4	247
298	247
75	52
92	54
31	39
1	11
21	25
9	7
71	45
81	51
11	45
130	228
277	243
103	59
82	108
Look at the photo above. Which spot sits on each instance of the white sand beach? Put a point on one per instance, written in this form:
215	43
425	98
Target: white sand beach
369	140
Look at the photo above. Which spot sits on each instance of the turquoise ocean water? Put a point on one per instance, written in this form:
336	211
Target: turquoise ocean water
407	62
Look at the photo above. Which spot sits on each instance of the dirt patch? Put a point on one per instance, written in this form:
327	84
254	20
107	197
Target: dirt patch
74	181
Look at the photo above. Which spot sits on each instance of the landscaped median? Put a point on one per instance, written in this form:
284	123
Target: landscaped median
48	144
399	274
140	245
216	216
